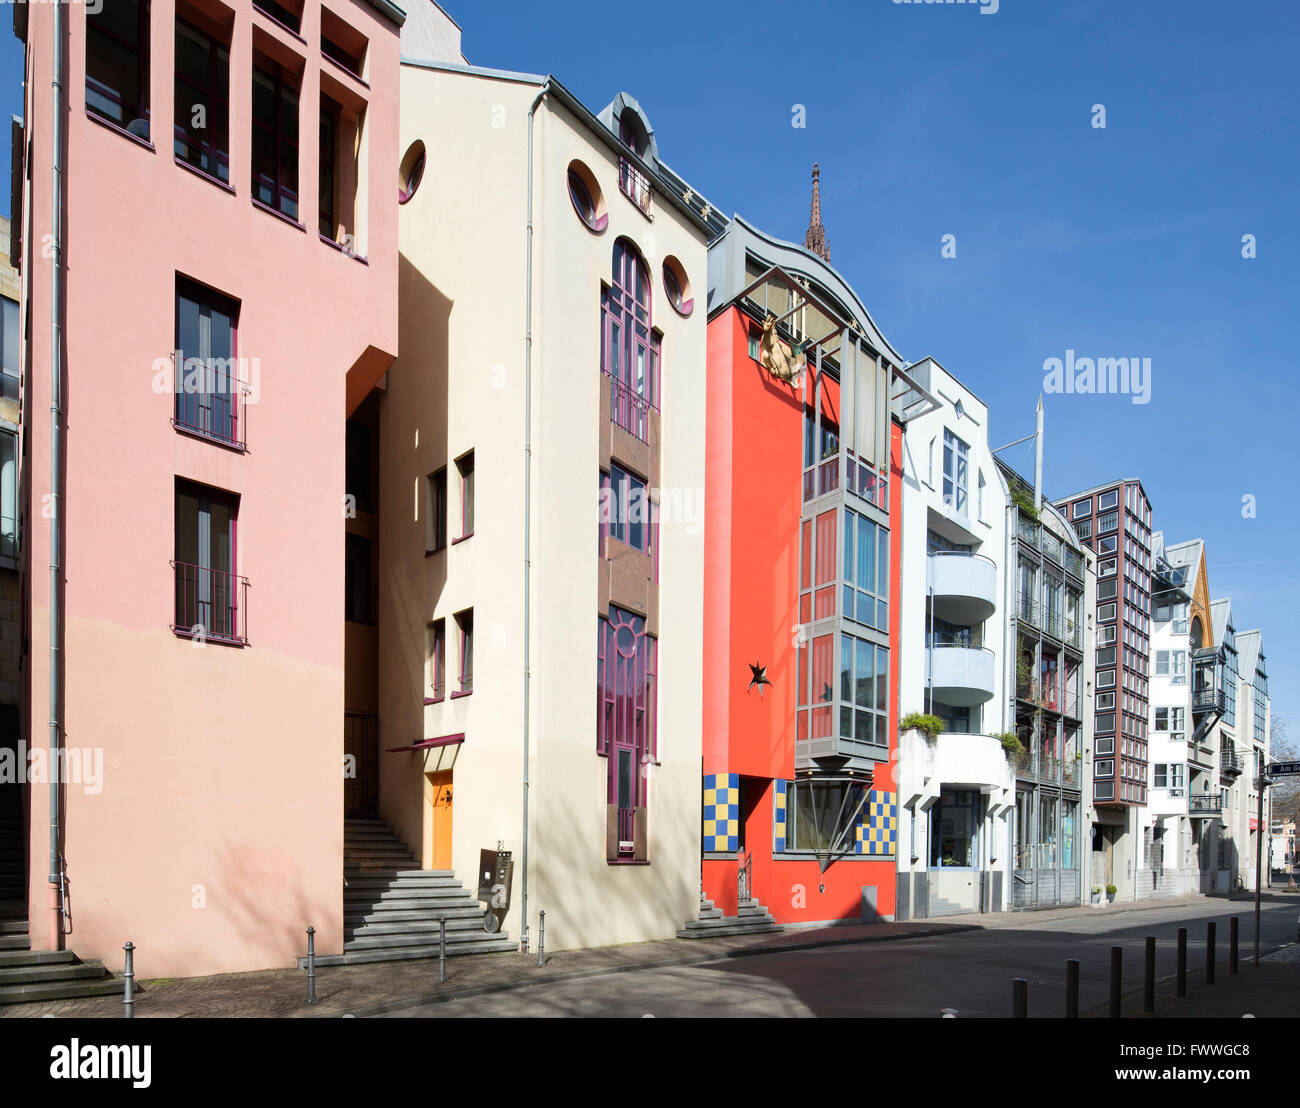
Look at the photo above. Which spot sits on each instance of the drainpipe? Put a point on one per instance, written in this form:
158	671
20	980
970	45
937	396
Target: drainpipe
528	504
56	445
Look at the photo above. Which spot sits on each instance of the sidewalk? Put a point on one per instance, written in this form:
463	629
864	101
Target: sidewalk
369	989
1269	991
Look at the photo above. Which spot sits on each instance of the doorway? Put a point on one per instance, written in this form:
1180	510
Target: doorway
440	820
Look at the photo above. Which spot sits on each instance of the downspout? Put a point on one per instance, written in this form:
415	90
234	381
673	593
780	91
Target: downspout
528	506
56	445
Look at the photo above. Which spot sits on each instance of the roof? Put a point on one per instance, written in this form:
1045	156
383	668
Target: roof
1220	617
1102	488
1187	554
1250	645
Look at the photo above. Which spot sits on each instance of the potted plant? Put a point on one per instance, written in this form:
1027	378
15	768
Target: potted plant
1011	744
930	726
1111	890
1096	894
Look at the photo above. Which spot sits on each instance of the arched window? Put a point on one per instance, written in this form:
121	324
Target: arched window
1196	633
629	346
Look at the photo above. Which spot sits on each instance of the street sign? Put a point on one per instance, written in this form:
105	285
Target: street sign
1284	769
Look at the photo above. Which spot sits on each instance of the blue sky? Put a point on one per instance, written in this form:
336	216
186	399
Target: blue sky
933	120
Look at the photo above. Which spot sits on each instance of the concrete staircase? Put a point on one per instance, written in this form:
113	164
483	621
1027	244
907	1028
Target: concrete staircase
751	918
27	975
391	907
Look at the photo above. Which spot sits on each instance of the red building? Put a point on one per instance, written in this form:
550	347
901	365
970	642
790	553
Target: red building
801	587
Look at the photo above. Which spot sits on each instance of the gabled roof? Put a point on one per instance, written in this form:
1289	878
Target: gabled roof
1249	645
1187	554
1220	617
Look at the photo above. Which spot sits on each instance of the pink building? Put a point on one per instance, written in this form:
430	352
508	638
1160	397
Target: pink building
229	298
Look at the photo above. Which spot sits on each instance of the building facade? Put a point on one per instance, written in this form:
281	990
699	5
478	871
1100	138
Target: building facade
957	789
535	694
224	186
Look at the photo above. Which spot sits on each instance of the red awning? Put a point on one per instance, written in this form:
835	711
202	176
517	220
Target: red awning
424	744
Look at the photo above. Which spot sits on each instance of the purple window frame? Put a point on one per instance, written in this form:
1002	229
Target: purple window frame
617	487
215	94
280	190
439	681
205	494
140	48
627	664
438	508
331	115
219	421
465	470
465	634
630	347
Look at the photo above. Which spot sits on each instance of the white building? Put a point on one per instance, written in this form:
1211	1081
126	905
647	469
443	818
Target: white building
957	791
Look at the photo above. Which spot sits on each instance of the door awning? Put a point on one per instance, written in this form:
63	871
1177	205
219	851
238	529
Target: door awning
425	744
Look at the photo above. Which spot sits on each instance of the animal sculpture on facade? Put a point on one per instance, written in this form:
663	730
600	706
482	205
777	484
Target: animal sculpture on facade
779	360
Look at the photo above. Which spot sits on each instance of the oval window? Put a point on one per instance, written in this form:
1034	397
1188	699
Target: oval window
678	287
411	172
586	196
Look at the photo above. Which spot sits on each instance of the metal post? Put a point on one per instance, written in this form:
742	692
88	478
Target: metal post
128	979
1116	979
442	949
1149	977
311	965
1260	785
1072	989
1209	953
541	938
1182	961
1020	998
1232	944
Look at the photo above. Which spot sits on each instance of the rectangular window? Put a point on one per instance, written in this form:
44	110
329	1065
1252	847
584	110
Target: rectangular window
1177	668
821	815
1105	635
1104	767
275	137
202	101
1082	508
626	665
1083	529
955	829
359	471
1160	775
980	504
342	43
1107	545
438	659
1105	721
9	335
117	64
207	372
465	470
955	476
465	632
209	595
1108	500
1107	567
327	175
8	494
436	532
1106	613
288	14
866	571
1107	590
358	580
1105	701
624	509
1106	679
1108	523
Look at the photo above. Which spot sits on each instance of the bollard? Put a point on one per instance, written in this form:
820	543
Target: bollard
1116	979
1209	953
1149	978
442	949
1232	944
541	938
1020	998
311	965
1072	989
128	982
1182	961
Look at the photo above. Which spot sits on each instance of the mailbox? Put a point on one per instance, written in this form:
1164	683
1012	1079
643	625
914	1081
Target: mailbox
496	870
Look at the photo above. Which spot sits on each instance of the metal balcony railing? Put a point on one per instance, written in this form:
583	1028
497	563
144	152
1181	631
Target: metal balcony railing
859	478
210	401
211	604
1052	547
1207	700
629	409
626	825
1203	804
1027	531
1027	611
634	185
1231	762
1073	562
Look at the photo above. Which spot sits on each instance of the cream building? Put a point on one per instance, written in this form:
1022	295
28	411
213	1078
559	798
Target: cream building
552	361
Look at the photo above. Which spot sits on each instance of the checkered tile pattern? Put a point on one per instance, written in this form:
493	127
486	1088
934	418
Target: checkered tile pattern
782	798
721	812
876	832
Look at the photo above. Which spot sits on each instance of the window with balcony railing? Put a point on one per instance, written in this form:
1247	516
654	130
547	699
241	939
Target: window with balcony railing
210	596
629	346
209	391
626	668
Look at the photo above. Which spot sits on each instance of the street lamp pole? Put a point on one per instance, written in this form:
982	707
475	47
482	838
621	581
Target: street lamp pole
1264	782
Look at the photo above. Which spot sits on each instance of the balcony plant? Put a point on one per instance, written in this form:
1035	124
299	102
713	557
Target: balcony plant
1010	743
1096	894
930	726
1024	500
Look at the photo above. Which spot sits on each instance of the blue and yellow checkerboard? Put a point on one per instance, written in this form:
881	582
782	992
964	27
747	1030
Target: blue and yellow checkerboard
782	797
721	812
876	832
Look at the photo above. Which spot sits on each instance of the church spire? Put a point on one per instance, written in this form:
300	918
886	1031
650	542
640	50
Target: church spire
815	239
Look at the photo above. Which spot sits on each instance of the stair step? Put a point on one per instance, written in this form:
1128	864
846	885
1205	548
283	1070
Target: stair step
13	926
59	990
487	945
15	942
399	915
732	927
424	928
434	894
400	941
58	971
415	874
35	957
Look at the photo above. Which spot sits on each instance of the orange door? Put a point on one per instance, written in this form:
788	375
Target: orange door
440	798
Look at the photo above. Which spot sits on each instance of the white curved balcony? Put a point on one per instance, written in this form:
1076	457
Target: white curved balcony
964	586
962	675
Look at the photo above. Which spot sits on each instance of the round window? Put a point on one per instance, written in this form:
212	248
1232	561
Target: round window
411	172
586	196
677	286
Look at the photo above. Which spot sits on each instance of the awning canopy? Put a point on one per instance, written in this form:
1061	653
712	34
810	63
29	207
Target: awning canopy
424	744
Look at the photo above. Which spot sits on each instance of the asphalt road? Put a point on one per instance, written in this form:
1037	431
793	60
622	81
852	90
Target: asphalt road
969	970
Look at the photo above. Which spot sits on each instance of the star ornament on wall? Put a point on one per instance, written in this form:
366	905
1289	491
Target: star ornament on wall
758	677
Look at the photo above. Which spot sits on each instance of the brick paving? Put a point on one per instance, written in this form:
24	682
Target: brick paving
372	988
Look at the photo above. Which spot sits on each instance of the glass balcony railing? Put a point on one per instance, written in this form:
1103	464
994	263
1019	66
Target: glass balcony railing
859	478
